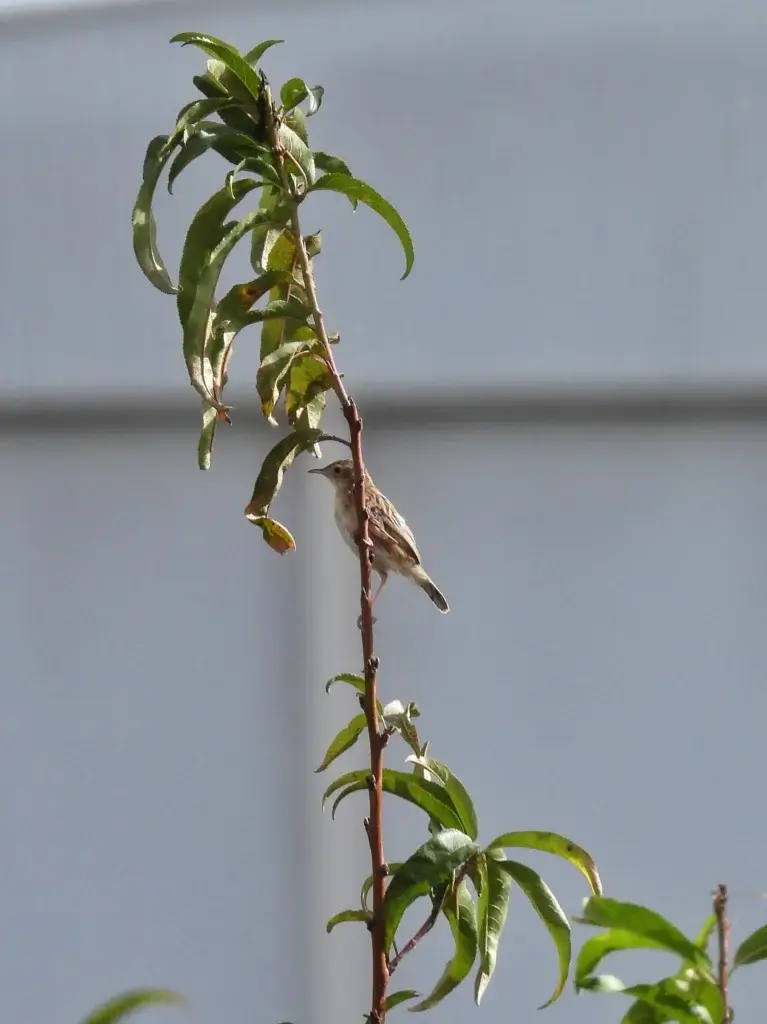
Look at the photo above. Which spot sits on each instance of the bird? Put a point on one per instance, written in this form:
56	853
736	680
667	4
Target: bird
392	541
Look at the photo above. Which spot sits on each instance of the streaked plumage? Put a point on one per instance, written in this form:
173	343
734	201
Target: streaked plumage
394	546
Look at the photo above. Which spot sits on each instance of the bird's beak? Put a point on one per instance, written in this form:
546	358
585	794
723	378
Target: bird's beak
321	470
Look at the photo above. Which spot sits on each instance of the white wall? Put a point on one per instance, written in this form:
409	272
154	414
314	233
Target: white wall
596	518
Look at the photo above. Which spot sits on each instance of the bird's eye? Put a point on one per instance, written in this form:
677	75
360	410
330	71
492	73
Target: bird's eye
336	470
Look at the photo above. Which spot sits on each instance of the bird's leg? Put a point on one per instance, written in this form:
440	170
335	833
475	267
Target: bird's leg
383	577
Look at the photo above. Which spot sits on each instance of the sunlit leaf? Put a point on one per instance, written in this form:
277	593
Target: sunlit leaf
398	718
492	910
207	435
346	916
277	536
630	917
752	949
308	380
595	949
301	157
459	796
227	54
347	677
293	92
458	908
353	188
703	937
664	996
269	480
428	796
144	226
121	1006
343	740
399	997
432	863
548	909
254	56
273	372
550	842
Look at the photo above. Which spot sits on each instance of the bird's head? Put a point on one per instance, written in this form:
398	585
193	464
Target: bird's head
340	473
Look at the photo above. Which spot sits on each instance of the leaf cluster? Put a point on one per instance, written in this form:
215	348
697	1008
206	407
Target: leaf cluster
689	995
265	141
467	884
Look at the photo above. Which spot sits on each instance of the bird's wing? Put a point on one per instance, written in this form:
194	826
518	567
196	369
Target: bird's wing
390	530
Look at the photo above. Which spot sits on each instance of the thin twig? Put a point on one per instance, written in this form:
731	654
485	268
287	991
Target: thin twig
723	936
374	825
425	928
332	437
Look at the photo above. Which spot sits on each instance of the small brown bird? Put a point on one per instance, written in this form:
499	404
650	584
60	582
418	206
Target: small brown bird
394	547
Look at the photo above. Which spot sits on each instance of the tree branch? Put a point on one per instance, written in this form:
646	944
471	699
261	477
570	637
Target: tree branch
723	936
377	741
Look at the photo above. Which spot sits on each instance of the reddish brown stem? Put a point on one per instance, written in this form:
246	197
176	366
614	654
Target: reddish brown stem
723	936
377	740
424	930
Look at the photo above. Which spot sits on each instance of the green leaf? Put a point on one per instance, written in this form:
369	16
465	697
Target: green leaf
346	677
302	159
545	904
594	950
347	915
343	740
293	92
492	910
272	374
364	193
207	435
429	796
752	949
551	842
144	226
254	56
228	55
308	380
395	717
332	165
209	264
273	469
432	863
459	796
129	1002
665	996
233	145
458	908
277	536
399	997
630	917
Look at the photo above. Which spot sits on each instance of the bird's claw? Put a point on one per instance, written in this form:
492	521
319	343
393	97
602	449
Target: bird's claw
359	622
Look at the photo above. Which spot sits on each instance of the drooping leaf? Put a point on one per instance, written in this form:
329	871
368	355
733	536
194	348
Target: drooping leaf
347	677
207	435
228	55
331	165
430	797
254	56
559	846
209	266
343	740
595	949
492	911
269	480
308	380
277	536
545	904
399	997
459	796
752	949
273	373
126	1003
233	145
301	158
364	193
458	908
630	917
346	916
144	226
703	937
432	864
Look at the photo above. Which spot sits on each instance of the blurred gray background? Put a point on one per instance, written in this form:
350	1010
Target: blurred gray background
568	401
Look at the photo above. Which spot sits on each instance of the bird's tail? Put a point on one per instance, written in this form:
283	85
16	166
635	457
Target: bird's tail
426	584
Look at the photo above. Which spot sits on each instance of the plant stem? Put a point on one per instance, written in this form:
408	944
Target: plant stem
377	740
723	935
